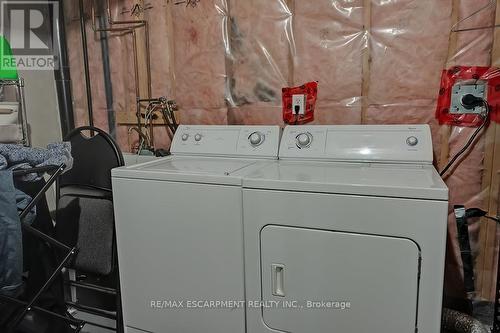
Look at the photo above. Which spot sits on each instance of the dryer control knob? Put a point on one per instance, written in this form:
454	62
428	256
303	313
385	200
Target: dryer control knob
197	137
304	140
184	137
412	141
256	138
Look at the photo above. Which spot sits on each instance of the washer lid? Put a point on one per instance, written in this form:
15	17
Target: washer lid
209	170
374	179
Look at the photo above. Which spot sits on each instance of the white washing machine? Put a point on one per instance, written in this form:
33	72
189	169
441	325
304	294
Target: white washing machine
346	233
180	231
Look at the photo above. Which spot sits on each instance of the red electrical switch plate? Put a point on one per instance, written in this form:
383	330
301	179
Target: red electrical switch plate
293	99
467	76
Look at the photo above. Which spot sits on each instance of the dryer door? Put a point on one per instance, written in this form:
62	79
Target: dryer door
324	281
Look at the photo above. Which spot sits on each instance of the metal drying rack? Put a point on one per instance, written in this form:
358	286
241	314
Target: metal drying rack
26	307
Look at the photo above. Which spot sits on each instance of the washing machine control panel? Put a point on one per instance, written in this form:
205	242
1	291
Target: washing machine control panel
214	140
385	143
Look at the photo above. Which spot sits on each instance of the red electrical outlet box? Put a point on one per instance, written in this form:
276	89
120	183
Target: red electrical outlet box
481	81
299	103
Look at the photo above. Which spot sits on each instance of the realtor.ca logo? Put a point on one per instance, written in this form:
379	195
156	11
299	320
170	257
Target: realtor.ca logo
28	26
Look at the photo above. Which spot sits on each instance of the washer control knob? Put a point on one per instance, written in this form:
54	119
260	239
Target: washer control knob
412	141
256	138
184	137
197	137
304	140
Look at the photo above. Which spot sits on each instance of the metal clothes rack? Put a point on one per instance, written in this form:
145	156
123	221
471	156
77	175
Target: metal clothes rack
19	84
55	172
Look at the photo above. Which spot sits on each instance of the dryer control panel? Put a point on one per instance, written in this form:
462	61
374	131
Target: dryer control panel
227	141
373	143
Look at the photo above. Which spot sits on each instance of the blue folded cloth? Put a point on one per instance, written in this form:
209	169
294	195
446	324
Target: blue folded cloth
15	157
3	163
22	201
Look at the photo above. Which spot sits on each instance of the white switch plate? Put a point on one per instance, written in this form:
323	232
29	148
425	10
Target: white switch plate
299	101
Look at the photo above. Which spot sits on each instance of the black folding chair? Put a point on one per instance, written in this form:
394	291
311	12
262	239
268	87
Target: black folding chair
85	204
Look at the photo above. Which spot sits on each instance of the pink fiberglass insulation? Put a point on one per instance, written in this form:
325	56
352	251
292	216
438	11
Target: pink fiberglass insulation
408	47
330	40
203	116
122	78
259	57
260	42
199	54
337	113
161	60
161	42
474	46
121	49
255	115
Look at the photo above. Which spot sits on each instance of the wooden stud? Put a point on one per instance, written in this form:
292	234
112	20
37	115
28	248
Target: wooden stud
487	257
486	261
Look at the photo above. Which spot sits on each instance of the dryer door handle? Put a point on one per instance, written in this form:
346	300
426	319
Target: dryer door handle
278	279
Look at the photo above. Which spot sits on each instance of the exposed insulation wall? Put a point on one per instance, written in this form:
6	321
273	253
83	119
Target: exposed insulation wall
225	62
330	42
259	47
